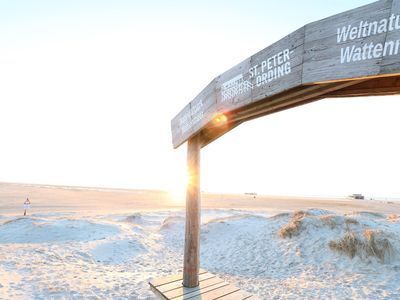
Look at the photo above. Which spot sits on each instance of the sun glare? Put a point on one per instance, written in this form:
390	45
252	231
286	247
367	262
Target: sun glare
178	194
178	190
220	119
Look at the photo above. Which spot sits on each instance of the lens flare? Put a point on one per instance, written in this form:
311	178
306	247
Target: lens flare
177	190
220	119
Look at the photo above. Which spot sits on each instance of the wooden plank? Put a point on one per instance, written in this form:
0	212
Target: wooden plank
314	92
233	88
390	63
158	293
327	41
210	287
203	108
181	126
291	99
192	228
168	279
195	115
198	293
211	134
184	291
178	284
278	67
375	87
239	295
297	95
216	293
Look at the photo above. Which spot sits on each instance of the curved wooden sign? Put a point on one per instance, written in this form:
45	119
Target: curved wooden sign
355	53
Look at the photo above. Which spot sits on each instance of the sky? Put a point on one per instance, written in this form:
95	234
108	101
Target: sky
88	89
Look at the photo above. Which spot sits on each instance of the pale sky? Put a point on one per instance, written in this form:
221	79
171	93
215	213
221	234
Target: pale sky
88	89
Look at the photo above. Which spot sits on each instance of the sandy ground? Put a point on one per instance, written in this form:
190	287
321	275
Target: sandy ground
88	243
95	200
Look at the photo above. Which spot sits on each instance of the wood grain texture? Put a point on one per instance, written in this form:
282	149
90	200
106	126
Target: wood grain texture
209	284
178	283
233	87
294	43
359	44
159	282
192	229
210	287
322	52
375	87
391	64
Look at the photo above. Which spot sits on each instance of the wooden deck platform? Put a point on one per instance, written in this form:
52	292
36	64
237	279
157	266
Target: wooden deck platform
210	287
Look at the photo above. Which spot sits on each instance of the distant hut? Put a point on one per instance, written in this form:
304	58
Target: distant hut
357	196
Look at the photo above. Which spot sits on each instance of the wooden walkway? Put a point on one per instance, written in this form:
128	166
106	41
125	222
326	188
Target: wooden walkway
210	287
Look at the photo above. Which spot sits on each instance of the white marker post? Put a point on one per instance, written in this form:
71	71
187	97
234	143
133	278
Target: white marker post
27	205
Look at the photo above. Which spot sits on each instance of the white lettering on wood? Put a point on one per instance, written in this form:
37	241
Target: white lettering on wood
270	69
234	87
371	50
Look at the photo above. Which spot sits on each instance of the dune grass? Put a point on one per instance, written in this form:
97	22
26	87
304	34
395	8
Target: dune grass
329	220
351	221
393	217
373	243
293	228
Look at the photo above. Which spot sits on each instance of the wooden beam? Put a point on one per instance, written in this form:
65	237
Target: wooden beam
321	53
289	99
372	87
192	231
211	133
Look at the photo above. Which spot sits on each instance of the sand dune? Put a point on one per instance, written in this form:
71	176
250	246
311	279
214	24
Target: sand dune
92	251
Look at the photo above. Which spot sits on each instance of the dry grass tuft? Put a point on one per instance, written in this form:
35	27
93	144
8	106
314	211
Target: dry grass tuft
349	244
349	221
369	234
393	217
278	216
333	221
299	214
377	244
373	244
293	228
329	220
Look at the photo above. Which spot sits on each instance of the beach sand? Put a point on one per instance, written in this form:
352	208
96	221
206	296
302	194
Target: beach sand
95	243
48	198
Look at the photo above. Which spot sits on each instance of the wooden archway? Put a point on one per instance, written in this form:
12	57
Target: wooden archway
352	54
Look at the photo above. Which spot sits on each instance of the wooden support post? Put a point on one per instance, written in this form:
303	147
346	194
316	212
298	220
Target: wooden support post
192	231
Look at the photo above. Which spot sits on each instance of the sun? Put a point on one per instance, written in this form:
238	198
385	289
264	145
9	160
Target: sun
178	194
177	190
